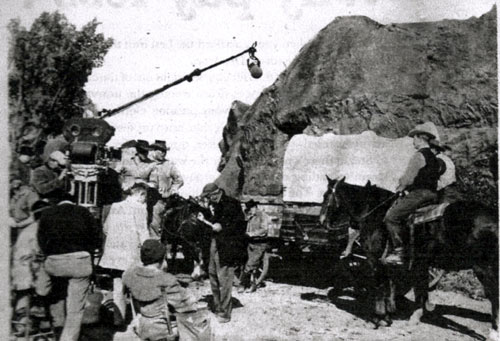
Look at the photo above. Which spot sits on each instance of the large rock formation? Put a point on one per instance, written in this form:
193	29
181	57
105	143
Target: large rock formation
358	75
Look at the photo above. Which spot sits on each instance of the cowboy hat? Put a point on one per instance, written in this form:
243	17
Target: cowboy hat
209	189
129	144
427	128
142	146
160	145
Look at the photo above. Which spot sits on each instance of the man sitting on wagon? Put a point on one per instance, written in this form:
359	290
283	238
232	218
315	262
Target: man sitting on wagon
418	186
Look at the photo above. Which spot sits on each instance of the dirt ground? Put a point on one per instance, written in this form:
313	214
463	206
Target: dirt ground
295	305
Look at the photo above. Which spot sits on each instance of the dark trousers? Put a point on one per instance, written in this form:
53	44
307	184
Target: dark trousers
396	216
221	281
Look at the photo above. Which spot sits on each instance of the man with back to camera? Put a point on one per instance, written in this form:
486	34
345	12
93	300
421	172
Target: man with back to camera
68	235
227	250
419	181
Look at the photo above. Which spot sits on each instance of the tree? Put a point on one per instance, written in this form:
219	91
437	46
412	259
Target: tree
48	68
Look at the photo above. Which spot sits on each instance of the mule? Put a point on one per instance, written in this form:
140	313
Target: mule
180	227
465	237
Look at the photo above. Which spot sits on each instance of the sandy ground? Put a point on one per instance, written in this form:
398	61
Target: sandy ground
295	305
290	312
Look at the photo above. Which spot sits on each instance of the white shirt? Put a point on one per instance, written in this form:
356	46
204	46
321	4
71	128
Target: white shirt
448	176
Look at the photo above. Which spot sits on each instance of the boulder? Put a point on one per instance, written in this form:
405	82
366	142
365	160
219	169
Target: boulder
357	75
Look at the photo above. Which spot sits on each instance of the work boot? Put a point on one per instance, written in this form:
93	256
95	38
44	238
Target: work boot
395	257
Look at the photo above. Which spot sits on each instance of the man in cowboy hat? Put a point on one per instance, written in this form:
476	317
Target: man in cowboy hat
227	250
138	167
447	183
419	183
167	178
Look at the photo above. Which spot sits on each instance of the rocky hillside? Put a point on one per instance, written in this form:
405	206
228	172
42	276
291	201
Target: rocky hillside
358	75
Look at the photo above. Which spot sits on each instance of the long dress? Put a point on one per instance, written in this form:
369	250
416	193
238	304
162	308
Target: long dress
125	229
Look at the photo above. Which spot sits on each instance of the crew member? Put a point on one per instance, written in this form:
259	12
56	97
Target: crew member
418	183
152	287
49	179
68	236
257	226
126	229
227	248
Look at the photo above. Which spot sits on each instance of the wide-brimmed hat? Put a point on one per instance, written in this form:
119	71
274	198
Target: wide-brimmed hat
159	145
152	251
427	128
209	188
142	146
129	144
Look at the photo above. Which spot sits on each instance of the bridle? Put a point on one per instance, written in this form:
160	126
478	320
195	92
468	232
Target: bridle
337	196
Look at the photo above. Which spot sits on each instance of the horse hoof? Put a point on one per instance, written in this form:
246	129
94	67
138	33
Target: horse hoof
416	316
494	336
385	323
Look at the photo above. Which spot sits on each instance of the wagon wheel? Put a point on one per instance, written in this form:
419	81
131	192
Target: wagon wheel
435	276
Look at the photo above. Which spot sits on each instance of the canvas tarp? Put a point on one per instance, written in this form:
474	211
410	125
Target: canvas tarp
363	157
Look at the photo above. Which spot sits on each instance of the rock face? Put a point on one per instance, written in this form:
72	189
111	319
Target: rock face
358	75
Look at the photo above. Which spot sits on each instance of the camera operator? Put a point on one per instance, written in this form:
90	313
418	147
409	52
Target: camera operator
49	179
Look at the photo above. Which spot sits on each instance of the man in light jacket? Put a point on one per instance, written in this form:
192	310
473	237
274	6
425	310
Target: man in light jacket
125	229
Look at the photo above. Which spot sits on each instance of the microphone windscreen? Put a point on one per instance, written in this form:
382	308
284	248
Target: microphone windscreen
255	71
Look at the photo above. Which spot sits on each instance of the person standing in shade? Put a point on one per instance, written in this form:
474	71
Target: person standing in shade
227	250
257	226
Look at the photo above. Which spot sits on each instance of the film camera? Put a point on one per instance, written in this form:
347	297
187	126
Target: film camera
90	161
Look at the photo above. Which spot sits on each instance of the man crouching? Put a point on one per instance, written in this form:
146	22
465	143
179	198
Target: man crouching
154	290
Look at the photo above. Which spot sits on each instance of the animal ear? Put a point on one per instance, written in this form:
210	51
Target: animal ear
342	180
368	184
328	178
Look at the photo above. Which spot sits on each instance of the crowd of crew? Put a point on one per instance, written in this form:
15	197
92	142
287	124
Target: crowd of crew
57	245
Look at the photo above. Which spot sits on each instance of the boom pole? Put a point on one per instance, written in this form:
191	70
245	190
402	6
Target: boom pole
189	77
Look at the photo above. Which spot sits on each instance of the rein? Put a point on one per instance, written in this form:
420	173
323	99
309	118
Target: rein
364	216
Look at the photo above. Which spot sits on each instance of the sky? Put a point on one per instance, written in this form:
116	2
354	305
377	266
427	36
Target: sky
157	42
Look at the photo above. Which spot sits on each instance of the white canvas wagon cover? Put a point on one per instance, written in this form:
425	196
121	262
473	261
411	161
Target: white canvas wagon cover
363	157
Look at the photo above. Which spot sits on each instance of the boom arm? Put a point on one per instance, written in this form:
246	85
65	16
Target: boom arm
196	72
